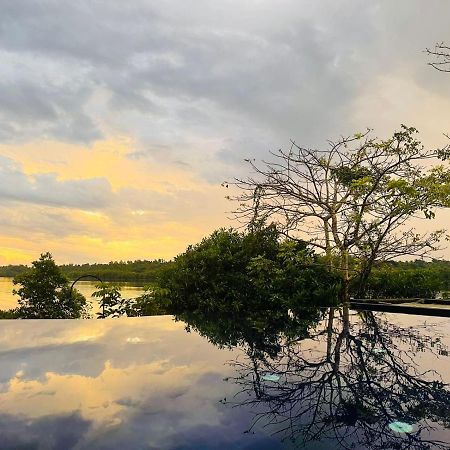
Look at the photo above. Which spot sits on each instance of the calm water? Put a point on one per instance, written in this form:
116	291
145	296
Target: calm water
366	381
8	300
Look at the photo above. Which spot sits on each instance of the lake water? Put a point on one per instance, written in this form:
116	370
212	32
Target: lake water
363	381
8	300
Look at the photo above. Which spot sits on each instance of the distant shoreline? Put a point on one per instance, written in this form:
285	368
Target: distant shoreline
131	282
142	272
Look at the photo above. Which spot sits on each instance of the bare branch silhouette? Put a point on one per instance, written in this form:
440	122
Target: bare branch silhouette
358	378
441	56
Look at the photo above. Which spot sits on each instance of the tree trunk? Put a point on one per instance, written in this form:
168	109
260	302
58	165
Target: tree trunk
364	276
345	294
330	332
328	246
362	282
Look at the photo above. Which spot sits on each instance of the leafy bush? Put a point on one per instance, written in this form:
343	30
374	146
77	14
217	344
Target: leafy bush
110	300
45	293
231	271
112	304
389	281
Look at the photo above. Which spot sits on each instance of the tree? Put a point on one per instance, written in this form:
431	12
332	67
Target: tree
403	281
351	201
150	303
112	304
238	272
45	293
441	55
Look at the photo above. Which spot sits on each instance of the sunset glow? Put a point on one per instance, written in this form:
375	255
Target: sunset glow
114	141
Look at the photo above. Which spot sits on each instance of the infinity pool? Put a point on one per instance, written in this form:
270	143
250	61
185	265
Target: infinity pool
334	379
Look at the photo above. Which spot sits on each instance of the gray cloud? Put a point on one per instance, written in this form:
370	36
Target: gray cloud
46	189
172	73
51	432
35	221
40	98
200	86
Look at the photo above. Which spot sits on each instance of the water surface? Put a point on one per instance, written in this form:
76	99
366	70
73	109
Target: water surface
9	301
147	383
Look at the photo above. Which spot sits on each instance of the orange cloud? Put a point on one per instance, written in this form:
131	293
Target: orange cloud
154	211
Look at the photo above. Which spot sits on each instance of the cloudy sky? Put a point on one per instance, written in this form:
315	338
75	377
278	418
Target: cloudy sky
119	120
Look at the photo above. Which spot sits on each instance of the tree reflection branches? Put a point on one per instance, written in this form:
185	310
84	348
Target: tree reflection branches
355	381
262	334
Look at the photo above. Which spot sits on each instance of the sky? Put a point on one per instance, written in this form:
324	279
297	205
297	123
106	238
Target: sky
120	120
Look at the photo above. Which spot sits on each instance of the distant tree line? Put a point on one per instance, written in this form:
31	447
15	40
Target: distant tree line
145	271
409	279
232	274
140	270
13	270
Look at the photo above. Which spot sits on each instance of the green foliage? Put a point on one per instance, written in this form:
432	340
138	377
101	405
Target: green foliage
45	293
137	271
294	276
153	302
409	279
110	301
350	176
233	272
263	332
8	314
112	304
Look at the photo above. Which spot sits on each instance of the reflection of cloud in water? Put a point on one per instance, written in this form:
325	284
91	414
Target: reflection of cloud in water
30	334
121	392
126	383
49	432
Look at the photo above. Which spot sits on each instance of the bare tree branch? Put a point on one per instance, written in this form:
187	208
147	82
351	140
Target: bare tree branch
352	200
441	55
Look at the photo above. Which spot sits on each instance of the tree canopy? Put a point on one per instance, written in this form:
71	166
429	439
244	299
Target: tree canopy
45	293
352	201
232	271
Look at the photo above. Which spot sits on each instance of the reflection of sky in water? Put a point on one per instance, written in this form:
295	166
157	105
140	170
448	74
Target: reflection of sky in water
126	383
140	383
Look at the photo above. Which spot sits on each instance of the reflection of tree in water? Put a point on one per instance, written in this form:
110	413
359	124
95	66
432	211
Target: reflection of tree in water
262	333
354	379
